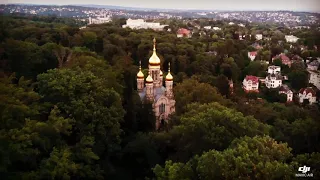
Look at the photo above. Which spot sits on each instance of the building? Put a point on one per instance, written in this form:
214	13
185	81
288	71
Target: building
307	94
99	20
274	70
291	38
153	90
216	28
231	86
252	55
314	78
251	84
256	46
182	32
284	59
313	66
273	81
142	24
259	37
284	89
207	27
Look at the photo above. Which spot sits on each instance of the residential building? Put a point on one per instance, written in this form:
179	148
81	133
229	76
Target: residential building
274	70
216	28
313	66
284	59
256	46
273	81
291	38
284	89
182	32
307	94
259	37
99	20
142	24
314	78
251	84
207	27
152	90
252	55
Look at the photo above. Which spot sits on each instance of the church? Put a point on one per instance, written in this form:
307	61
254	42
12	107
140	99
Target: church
152	89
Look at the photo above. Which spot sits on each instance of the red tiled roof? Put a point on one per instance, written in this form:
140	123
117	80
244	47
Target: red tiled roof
253	53
254	79
183	31
307	90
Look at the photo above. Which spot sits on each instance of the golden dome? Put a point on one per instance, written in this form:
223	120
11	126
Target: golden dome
154	60
169	76
161	73
149	79
140	75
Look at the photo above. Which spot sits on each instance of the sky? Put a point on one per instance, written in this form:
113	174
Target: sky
292	5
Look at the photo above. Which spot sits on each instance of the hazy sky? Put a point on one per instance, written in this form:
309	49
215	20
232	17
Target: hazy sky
294	5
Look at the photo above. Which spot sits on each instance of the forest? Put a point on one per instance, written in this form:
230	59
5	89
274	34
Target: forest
69	108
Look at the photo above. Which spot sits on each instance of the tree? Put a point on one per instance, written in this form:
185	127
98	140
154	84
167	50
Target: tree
253	158
89	39
85	97
210	126
222	84
298	79
191	90
63	55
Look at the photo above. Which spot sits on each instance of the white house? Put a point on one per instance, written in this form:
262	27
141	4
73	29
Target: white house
207	27
273	81
241	25
274	70
291	38
284	89
252	55
258	37
216	28
231	23
99	20
142	24
313	66
307	94
314	78
251	84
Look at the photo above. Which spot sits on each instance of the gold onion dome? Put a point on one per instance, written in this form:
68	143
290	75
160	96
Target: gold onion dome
140	75
149	79
154	60
169	76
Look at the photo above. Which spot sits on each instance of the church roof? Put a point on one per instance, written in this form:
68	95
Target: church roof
154	59
158	92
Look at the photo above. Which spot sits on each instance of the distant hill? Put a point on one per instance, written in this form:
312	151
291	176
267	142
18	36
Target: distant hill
116	7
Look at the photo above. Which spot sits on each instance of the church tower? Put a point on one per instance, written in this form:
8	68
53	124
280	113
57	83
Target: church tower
140	79
169	84
154	66
149	88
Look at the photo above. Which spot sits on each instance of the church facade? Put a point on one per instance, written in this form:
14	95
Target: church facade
152	89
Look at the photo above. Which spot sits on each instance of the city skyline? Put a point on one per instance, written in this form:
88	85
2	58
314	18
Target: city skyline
232	5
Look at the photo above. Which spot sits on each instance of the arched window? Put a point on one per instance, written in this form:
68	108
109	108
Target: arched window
162	108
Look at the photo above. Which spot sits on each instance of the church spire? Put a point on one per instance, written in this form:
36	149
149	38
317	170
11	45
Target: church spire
169	76
154	44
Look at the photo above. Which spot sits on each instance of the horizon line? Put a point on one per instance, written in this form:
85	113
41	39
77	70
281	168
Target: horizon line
146	8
